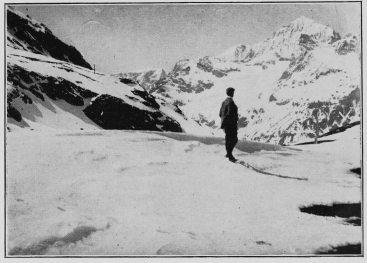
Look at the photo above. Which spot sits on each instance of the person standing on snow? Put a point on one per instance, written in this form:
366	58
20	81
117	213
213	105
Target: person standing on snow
229	115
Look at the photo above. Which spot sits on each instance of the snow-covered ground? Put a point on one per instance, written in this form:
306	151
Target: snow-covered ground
147	193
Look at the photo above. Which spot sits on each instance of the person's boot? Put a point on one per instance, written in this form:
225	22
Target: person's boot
232	159
228	152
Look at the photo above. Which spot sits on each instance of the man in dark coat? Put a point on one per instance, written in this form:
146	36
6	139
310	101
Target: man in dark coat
229	115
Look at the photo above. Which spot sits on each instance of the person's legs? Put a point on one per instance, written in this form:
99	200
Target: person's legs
228	144
234	140
231	140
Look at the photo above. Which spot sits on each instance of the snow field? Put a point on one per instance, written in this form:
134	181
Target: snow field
146	194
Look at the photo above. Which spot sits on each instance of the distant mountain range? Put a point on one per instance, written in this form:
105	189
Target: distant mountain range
304	76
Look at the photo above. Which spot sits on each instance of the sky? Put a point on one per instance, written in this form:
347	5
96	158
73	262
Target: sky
132	37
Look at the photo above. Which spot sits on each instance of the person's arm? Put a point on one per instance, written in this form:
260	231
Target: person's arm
223	110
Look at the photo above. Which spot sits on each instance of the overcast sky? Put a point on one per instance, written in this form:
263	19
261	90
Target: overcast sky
122	38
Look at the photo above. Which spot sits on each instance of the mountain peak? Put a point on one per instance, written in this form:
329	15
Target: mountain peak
303	20
303	23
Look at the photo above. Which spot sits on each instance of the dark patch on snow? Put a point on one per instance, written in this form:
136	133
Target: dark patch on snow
149	100
154	139
285	135
191	148
318	142
283	102
286	154
178	103
327	72
203	86
263	243
242	122
85	76
40	248
163	232
351	211
356	171
347	249
157	163
306	41
13	113
218	73
205	64
355	221
99	158
272	98
66	69
179	111
127	81
346	46
286	75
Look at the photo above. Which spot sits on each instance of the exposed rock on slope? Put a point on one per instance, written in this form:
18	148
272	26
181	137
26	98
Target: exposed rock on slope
49	85
25	33
146	79
58	94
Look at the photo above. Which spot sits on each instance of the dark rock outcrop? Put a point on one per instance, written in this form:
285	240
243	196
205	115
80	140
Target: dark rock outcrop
37	38
113	113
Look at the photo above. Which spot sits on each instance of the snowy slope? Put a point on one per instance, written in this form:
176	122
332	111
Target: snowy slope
305	70
54	93
151	193
48	92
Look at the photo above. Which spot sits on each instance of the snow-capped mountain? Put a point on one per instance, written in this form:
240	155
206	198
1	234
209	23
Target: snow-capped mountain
53	87
303	75
145	78
290	40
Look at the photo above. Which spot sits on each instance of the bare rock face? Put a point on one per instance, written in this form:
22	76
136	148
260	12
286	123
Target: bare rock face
27	34
346	45
112	113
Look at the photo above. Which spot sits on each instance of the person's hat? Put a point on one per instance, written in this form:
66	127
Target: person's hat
229	90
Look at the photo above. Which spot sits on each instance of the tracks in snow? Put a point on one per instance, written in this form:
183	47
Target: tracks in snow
266	173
